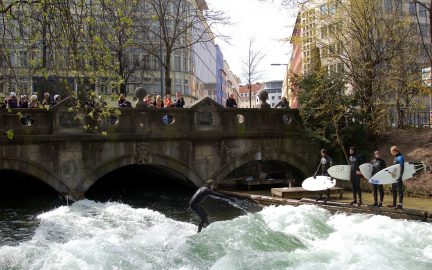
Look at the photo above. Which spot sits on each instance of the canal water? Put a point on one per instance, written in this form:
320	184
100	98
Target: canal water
133	227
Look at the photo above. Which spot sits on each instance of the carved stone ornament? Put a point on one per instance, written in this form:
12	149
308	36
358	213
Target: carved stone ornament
143	155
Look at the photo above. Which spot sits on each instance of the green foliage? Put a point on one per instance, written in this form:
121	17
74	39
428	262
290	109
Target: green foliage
330	116
10	134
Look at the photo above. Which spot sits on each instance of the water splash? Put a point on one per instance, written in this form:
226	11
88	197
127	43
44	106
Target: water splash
90	235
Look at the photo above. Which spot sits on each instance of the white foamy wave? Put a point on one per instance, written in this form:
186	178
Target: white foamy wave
90	235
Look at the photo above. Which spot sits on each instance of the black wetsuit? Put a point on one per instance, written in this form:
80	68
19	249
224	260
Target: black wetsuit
378	165
199	197
355	179
397	188
325	163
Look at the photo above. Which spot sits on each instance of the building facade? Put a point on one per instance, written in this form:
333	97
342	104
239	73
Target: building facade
244	92
194	70
274	90
312	38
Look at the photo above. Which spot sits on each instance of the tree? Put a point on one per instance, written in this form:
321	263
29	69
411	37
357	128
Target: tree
328	115
367	37
250	66
173	27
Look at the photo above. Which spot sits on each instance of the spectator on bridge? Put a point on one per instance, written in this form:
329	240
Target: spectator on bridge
12	101
158	102
34	102
24	102
148	100
231	102
46	99
284	104
123	103
167	101
56	99
178	101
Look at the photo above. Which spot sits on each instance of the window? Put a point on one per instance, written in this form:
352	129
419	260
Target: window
412	9
323	9
279	97
273	97
323	32
388	5
177	63
424	30
422	11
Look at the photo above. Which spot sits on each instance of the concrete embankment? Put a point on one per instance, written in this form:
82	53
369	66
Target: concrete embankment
409	214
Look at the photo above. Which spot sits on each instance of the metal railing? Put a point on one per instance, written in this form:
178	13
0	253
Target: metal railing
410	118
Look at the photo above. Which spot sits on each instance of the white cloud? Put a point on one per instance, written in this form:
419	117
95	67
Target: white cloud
268	22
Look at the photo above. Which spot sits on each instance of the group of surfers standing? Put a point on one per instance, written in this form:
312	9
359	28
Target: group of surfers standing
378	164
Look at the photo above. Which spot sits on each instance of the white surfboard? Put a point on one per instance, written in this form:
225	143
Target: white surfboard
318	183
366	169
341	172
391	174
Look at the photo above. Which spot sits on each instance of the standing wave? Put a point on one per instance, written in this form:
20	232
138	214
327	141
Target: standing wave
91	235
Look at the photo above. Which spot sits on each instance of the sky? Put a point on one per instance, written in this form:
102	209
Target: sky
267	22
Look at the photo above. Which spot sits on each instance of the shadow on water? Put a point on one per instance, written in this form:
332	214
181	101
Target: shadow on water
22	199
158	189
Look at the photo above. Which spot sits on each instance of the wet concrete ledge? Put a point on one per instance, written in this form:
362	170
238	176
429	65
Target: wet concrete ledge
409	214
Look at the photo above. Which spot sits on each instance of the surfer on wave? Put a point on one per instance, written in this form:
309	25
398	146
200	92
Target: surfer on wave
199	197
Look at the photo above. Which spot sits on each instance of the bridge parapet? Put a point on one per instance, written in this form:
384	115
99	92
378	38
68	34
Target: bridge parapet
203	118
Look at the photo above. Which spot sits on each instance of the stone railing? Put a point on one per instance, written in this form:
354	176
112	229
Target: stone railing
203	119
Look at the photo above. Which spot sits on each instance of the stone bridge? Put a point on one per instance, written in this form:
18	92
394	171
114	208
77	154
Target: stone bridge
201	142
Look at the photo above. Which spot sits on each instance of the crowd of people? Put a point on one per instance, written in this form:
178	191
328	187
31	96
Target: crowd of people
12	101
156	102
378	164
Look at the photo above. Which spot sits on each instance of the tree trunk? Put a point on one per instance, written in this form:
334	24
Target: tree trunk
168	80
250	95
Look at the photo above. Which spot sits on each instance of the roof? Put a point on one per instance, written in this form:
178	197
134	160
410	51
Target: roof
255	88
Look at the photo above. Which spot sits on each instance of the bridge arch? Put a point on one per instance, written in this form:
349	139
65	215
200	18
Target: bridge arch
292	159
35	170
128	160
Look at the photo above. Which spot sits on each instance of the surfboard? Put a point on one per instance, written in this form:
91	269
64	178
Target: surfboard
318	183
390	174
366	169
341	172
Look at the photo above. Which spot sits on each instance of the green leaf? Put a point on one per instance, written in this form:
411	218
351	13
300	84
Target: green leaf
10	134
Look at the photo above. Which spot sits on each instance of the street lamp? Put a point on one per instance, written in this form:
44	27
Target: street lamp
279	64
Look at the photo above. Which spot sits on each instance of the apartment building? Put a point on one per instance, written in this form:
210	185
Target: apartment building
193	69
313	31
245	92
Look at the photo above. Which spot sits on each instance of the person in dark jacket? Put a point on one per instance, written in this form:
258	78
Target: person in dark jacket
284	104
199	197
378	164
12	102
178	101
123	102
355	179
24	102
231	102
325	163
397	188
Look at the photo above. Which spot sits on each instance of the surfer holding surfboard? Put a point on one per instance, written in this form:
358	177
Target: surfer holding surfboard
354	178
325	163
397	188
378	164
